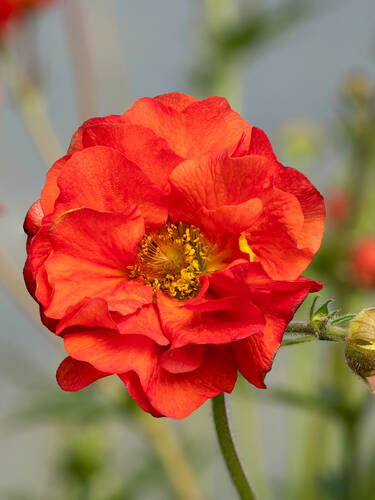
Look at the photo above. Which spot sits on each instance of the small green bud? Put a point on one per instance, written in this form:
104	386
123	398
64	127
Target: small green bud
360	346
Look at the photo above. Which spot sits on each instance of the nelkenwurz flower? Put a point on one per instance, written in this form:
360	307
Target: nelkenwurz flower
167	248
12	10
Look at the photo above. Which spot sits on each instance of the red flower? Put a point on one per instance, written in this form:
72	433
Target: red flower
364	262
338	206
166	248
13	9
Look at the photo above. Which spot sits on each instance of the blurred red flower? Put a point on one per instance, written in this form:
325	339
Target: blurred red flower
167	248
338	206
14	9
364	261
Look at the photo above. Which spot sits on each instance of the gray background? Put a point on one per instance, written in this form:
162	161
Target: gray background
297	76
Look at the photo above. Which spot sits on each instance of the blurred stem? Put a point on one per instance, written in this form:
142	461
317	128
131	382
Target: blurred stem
226	82
33	109
167	448
301	340
84	490
76	34
228	449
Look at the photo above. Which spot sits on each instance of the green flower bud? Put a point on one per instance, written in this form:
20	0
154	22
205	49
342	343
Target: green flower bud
360	345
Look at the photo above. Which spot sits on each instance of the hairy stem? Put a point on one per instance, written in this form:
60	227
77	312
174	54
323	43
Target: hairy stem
228	449
324	332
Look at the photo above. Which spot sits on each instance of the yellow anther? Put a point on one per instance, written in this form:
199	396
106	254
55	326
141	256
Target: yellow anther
172	260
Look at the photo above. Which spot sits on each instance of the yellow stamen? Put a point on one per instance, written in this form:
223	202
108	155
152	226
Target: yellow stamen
172	259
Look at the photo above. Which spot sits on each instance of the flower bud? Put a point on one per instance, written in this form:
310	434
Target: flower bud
360	346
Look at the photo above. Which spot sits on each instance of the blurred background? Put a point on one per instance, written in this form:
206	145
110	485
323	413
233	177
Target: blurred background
302	70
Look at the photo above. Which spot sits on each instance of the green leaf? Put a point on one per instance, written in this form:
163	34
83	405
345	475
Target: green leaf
343	319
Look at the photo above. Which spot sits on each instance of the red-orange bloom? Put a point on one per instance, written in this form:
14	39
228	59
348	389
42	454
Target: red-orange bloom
14	9
167	248
364	261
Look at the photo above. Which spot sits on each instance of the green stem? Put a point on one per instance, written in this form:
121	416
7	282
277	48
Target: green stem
324	332
301	340
228	449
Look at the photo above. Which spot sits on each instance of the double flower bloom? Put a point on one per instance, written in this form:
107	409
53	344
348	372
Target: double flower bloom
167	248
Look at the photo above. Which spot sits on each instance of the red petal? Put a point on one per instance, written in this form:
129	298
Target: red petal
90	313
33	219
312	204
74	375
261	145
203	126
176	100
145	321
139	144
131	380
177	395
104	180
112	352
88	262
216	321
76	142
207	191
51	190
184	359
254	355
274	236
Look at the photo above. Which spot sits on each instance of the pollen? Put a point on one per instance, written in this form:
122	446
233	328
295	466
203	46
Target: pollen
172	259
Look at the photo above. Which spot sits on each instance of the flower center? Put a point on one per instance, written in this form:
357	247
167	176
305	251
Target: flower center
172	259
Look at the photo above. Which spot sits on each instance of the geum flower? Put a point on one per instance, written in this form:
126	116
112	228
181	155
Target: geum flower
167	248
11	10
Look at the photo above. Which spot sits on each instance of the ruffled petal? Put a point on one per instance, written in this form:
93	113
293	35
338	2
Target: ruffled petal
208	321
51	190
145	321
91	255
177	395
139	144
111	352
278	300
91	313
33	220
202	126
73	375
133	384
260	145
176	100
207	191
312	205
104	180
76	144
274	236
183	359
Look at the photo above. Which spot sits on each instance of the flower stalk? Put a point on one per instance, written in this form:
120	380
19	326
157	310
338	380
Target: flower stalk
228	449
324	331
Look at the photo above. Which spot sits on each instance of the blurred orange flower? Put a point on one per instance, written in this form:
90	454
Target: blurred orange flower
364	261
